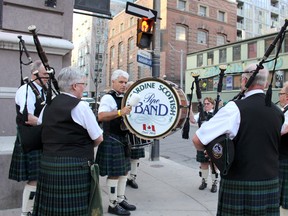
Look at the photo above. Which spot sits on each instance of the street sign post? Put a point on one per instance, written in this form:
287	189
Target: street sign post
140	11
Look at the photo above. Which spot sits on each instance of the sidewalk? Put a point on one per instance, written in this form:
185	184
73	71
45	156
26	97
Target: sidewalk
166	188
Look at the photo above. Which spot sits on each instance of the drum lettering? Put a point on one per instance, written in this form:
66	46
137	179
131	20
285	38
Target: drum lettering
160	110
149	98
171	99
143	87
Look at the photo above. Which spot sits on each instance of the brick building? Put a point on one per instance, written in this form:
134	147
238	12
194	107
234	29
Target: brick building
186	26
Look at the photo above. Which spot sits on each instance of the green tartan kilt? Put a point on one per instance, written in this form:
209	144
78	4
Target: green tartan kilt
283	178
63	187
240	198
200	157
24	166
111	158
137	153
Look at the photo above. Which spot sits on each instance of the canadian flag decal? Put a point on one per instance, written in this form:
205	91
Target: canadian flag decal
148	127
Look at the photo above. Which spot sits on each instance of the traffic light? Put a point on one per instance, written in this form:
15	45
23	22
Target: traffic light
144	32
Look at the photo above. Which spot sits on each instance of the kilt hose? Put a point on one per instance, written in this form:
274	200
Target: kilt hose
283	178
200	157
63	187
111	157
243	198
24	166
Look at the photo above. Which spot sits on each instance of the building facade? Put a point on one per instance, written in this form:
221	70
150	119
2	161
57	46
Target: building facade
236	56
185	27
258	17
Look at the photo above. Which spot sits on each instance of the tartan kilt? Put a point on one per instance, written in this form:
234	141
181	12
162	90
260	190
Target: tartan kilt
137	153
283	179
63	187
24	166
111	158
240	198
200	157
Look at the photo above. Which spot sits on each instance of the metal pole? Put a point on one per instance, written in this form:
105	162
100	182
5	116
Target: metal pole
155	147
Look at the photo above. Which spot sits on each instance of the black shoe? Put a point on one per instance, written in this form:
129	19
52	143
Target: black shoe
203	185
214	188
132	183
118	210
124	204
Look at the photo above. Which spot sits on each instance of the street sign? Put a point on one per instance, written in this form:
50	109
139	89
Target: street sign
140	11
144	57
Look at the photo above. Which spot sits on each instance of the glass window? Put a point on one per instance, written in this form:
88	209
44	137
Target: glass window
120	53
252	50
131	21
199	60
130	49
112	54
180	33
181	4
236	82
237	53
221	16
202	11
202	37
268	42
285	43
220	40
121	27
210	58
222	55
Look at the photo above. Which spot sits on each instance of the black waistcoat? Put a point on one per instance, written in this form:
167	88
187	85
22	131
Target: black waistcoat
61	136
257	141
113	126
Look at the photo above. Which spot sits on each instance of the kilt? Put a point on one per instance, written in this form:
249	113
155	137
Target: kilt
63	187
283	179
137	153
24	166
200	157
111	158
240	198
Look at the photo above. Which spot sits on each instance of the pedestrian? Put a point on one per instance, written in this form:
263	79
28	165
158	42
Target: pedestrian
113	155
200	156
25	166
136	154
69	134
283	151
251	186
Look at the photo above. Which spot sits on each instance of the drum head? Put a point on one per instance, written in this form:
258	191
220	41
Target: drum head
157	112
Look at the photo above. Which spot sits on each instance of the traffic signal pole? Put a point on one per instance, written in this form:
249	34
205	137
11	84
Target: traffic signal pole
155	147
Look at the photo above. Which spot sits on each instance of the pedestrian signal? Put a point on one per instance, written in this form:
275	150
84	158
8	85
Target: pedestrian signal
144	32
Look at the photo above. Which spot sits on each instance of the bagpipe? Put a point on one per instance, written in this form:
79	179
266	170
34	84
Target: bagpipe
52	84
221	150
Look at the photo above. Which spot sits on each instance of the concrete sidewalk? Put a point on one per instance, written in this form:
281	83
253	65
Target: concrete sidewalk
166	188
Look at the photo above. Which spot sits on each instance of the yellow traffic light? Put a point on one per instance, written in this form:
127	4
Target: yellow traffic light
144	32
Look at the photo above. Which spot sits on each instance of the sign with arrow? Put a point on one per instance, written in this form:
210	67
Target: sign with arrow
140	11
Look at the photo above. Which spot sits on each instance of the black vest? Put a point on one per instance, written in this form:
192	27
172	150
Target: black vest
61	136
38	108
113	126
257	141
283	148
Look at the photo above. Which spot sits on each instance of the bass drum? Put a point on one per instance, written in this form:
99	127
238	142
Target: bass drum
161	111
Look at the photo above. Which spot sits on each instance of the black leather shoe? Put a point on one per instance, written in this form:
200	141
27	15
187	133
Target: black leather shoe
203	185
214	188
132	183
118	210
124	204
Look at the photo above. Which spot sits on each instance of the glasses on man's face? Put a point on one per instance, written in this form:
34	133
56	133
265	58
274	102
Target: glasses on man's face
281	93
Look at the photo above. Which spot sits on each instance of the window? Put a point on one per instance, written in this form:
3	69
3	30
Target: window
131	23
202	37
237	53
112	32
285	44
51	3
268	42
221	16
181	4
210	58
252	50
120	54
112	54
222	55
130	71
199	60
220	40
180	33
121	27
130	50
202	11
